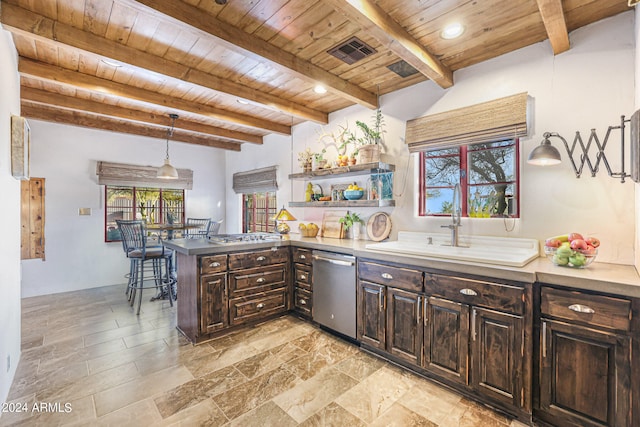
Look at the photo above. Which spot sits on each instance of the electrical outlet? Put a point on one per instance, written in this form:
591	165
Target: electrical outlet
8	362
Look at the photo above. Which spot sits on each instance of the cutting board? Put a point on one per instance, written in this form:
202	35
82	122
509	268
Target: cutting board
331	225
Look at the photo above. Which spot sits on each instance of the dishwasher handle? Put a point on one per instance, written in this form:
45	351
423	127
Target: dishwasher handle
334	261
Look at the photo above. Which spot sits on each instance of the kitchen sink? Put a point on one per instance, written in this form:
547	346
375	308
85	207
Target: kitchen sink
508	251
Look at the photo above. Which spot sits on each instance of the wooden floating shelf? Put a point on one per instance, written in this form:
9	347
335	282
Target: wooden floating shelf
344	204
363	169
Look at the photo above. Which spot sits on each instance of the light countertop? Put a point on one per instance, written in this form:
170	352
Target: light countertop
616	279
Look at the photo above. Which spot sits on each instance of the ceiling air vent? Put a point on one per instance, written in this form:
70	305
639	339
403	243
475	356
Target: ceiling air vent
352	50
402	68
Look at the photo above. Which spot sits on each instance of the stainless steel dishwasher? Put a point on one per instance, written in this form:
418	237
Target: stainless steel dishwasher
334	292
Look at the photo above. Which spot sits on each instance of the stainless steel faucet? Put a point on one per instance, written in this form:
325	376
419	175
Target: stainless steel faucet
456	213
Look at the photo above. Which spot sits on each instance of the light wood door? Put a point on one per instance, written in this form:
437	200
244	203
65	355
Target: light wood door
32	218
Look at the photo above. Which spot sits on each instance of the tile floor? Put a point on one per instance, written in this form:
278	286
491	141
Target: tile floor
88	360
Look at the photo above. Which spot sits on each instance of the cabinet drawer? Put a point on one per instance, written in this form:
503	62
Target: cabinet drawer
402	278
213	264
476	292
243	310
303	301
595	310
256	280
302	274
302	256
257	258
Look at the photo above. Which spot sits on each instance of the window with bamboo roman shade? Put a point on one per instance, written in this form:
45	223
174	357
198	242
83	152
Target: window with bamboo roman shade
256	181
500	119
121	174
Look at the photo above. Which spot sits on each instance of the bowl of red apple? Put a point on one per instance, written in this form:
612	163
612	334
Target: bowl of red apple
571	250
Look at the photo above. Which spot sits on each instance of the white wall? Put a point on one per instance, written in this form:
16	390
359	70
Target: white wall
9	218
590	86
76	255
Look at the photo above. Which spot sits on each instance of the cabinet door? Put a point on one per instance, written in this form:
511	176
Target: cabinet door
214	309
371	314
404	334
584	375
497	354
446	339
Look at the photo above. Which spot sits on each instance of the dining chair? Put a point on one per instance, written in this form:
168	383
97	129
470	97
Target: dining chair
201	226
146	262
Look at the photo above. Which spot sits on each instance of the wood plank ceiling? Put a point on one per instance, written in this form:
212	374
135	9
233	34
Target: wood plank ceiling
237	70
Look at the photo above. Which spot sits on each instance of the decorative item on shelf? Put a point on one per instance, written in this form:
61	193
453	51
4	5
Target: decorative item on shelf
308	192
369	149
352	221
167	171
316	192
305	159
319	162
353	192
546	154
281	217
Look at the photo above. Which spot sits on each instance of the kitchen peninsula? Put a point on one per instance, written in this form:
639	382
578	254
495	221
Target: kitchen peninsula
501	332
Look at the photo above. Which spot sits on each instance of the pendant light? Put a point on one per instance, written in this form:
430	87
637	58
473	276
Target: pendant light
167	171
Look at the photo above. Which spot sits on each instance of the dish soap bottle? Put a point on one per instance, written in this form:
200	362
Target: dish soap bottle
308	192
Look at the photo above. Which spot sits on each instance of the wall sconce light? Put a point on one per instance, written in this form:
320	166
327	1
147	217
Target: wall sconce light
546	154
167	171
284	215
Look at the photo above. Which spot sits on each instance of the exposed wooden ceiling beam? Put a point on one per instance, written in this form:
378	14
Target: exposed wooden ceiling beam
391	34
16	18
78	104
240	41
75	118
553	18
40	70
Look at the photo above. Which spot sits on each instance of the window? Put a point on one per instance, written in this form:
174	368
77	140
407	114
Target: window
153	205
488	175
258	209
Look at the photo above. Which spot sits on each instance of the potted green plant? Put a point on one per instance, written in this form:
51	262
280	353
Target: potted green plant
352	221
371	139
318	160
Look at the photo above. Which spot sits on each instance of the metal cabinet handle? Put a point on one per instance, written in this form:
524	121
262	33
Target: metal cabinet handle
261	258
473	324
302	302
467	291
386	276
426	314
260	306
302	257
544	339
260	280
214	264
418	311
579	308
303	277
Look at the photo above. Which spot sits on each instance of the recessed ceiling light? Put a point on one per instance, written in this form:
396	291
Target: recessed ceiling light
452	31
320	89
111	63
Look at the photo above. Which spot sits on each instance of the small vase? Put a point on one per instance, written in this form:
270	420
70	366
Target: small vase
355	232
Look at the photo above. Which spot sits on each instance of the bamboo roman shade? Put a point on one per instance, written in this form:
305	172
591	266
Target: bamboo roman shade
500	119
256	180
141	176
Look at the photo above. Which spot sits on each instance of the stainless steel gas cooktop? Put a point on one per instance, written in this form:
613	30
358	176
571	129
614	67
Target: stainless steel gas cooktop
227	239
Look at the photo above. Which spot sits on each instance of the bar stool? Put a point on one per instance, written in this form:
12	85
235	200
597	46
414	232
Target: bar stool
202	225
213	228
146	262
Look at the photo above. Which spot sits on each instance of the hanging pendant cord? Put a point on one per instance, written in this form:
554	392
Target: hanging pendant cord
170	130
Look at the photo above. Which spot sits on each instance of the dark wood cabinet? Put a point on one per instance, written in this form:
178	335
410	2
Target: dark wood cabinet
302	282
585	376
214	313
497	354
446	339
404	334
371	323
